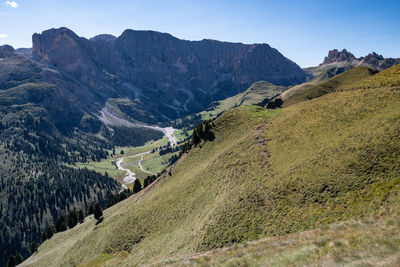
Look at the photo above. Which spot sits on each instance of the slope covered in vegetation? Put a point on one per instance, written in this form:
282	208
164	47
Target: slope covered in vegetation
267	173
318	88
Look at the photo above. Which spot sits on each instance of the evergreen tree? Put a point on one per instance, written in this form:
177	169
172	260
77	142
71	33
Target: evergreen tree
98	212
34	247
195	137
50	231
72	219
137	186
207	131
81	216
11	262
19	259
200	131
44	236
91	209
61	224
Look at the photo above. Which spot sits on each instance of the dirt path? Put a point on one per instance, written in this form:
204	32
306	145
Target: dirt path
143	170
130	175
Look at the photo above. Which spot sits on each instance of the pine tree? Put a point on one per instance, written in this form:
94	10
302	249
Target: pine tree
91	209
195	137
11	262
50	231
81	216
34	247
98	212
207	131
44	236
200	131
137	186
61	224
18	258
72	219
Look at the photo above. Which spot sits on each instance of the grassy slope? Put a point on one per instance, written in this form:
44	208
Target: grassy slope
370	242
317	88
255	94
320	77
267	173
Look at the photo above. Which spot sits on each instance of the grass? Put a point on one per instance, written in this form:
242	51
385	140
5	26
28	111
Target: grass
353	243
156	163
268	174
106	165
255	94
316	89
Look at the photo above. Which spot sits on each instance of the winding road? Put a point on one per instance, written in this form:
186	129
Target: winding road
110	119
130	175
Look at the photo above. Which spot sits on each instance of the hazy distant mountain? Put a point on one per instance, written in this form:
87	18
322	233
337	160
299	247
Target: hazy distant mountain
346	60
159	73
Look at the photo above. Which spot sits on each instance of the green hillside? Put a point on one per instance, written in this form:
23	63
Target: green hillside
255	94
267	173
319	87
320	77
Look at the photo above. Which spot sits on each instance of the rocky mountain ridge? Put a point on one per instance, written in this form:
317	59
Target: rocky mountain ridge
345	59
158	72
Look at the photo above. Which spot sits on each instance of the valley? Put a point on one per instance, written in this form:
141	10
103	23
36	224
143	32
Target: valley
264	188
144	149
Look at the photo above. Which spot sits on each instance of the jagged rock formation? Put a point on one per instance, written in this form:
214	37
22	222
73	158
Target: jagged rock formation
336	56
346	60
158	72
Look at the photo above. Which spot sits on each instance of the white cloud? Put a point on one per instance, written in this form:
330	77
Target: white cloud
3	35
12	4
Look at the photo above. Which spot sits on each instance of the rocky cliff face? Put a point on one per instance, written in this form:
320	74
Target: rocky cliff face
161	73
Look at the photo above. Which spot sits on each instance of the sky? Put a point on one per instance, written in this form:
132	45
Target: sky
302	30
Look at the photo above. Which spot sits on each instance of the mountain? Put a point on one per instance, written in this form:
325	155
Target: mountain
159	73
345	59
319	179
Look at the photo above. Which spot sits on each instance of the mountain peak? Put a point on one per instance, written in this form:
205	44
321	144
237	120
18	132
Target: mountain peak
6	51
338	56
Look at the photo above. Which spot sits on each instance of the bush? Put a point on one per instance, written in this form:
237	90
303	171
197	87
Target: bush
276	103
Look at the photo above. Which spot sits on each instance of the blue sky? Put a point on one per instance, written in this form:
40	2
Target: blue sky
303	31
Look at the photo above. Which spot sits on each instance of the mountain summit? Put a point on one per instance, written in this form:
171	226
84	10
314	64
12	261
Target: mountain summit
338	56
346	60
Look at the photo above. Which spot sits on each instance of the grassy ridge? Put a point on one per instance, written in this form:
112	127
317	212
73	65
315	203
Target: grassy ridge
268	173
255	94
317	89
